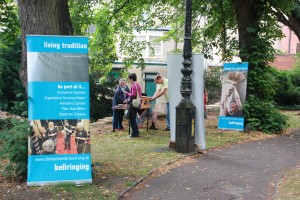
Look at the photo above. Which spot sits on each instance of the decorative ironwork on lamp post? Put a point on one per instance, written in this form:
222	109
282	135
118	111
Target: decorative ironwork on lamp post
185	110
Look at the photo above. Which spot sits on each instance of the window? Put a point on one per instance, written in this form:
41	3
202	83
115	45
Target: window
156	46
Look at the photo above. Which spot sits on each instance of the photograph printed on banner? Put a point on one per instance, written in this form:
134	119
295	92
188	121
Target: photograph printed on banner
233	93
67	136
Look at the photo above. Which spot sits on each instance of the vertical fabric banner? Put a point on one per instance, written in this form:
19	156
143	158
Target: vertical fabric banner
58	110
234	86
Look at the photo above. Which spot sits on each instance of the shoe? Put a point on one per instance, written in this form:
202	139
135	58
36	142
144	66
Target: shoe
166	129
153	128
132	136
113	130
121	129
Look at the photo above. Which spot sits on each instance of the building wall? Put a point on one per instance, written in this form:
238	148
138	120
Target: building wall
288	44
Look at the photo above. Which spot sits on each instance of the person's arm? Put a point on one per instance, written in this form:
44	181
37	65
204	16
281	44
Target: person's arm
132	94
159	93
225	110
237	98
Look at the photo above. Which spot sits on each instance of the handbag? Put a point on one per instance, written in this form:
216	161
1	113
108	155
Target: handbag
136	102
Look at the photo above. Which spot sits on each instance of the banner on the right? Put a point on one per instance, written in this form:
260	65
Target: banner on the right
233	97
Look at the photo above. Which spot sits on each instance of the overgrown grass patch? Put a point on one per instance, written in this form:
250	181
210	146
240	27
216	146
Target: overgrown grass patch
294	118
71	191
289	186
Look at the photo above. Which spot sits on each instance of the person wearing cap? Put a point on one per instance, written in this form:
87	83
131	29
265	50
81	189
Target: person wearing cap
162	89
119	98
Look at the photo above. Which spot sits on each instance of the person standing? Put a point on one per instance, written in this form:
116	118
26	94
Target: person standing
162	89
68	132
51	133
133	94
119	98
205	99
80	138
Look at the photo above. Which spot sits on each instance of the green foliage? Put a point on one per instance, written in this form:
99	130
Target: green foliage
9	23
287	90
213	84
14	142
101	97
5	124
263	115
10	83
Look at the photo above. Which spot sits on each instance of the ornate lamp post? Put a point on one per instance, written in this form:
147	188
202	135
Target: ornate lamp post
185	110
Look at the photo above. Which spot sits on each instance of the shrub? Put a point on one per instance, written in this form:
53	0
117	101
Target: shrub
10	83
264	116
101	96
14	141
213	83
287	90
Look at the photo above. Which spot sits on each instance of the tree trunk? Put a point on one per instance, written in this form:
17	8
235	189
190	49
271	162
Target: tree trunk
42	17
247	16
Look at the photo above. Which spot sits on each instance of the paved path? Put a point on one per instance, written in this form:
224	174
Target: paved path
243	171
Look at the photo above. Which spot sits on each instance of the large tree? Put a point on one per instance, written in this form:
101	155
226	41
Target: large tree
288	14
42	17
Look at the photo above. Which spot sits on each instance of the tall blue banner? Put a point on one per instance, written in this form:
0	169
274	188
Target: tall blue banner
58	110
234	85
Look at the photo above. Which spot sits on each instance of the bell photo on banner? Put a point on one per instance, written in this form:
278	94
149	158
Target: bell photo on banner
234	85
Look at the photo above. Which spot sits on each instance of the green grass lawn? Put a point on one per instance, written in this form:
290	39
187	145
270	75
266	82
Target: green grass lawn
121	161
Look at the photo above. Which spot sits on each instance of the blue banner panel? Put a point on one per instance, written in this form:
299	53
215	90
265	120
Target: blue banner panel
243	66
58	100
234	85
66	168
232	123
58	110
61	44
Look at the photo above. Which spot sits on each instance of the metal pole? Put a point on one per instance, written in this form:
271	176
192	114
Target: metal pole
185	111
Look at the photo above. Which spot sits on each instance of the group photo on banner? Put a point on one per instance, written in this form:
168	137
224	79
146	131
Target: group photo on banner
234	85
59	148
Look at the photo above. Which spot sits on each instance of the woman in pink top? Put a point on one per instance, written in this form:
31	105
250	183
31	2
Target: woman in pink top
135	90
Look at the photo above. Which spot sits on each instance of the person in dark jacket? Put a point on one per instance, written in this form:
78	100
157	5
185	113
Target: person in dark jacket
119	98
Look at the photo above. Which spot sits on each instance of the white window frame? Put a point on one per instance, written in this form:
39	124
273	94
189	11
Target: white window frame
147	35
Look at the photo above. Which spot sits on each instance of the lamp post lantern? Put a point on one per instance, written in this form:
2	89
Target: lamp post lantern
185	110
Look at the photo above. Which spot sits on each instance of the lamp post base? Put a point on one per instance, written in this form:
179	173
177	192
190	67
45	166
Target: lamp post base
185	123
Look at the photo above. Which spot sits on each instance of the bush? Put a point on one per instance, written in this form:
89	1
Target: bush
10	83
14	140
101	97
213	84
287	90
264	116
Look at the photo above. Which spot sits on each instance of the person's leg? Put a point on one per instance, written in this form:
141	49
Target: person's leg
153	115
168	115
135	130
66	142
69	142
120	121
115	121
